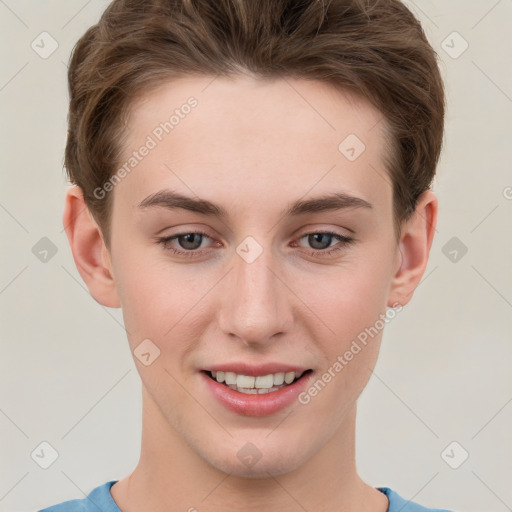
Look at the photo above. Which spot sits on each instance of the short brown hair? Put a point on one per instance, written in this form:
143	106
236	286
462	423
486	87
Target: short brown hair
374	48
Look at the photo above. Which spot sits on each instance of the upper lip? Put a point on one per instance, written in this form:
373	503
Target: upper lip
256	370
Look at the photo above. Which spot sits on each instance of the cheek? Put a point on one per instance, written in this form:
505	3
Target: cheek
351	298
151	296
353	306
164	302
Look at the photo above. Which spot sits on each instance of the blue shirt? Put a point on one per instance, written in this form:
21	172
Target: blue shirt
100	500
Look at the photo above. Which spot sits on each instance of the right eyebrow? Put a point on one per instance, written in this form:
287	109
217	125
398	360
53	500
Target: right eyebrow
170	199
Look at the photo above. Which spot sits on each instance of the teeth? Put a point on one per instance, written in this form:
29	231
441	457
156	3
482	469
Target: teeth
256	385
288	377
278	378
229	378
264	382
244	381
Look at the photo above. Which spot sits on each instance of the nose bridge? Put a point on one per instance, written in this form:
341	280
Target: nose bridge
254	308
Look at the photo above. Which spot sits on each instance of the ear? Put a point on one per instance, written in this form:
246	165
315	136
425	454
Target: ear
414	247
92	258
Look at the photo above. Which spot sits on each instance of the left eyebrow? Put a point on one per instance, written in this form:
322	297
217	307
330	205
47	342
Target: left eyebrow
170	199
327	202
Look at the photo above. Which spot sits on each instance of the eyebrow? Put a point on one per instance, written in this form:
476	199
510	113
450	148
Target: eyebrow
170	199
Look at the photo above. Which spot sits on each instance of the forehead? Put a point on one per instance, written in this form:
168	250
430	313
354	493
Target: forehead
240	139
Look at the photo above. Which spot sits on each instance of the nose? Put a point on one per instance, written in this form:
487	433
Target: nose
256	306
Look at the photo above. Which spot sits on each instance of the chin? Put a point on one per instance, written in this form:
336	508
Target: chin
249	462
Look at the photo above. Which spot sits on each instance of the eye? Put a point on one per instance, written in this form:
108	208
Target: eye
190	242
321	242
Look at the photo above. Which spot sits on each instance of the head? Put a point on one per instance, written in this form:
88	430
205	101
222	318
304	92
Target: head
259	113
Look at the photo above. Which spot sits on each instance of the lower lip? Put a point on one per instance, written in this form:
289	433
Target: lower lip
256	405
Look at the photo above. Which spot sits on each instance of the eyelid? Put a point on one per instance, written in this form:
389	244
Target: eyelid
326	231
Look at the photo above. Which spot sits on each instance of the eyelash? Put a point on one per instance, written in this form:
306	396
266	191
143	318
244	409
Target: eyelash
344	242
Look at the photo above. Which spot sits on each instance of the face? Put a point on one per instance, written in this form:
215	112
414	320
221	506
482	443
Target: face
245	241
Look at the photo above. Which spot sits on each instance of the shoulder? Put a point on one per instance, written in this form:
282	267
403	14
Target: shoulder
98	500
397	503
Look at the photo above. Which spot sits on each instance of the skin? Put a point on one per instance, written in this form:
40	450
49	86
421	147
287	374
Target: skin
289	305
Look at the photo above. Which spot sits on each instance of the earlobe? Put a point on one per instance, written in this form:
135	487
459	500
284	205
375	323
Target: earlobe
91	256
414	248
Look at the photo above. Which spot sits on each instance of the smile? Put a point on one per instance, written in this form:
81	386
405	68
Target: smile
256	385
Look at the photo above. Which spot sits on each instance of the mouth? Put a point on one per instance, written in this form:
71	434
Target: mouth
256	384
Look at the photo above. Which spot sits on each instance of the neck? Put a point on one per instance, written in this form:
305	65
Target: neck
170	476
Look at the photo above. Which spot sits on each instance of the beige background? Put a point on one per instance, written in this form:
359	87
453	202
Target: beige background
444	371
